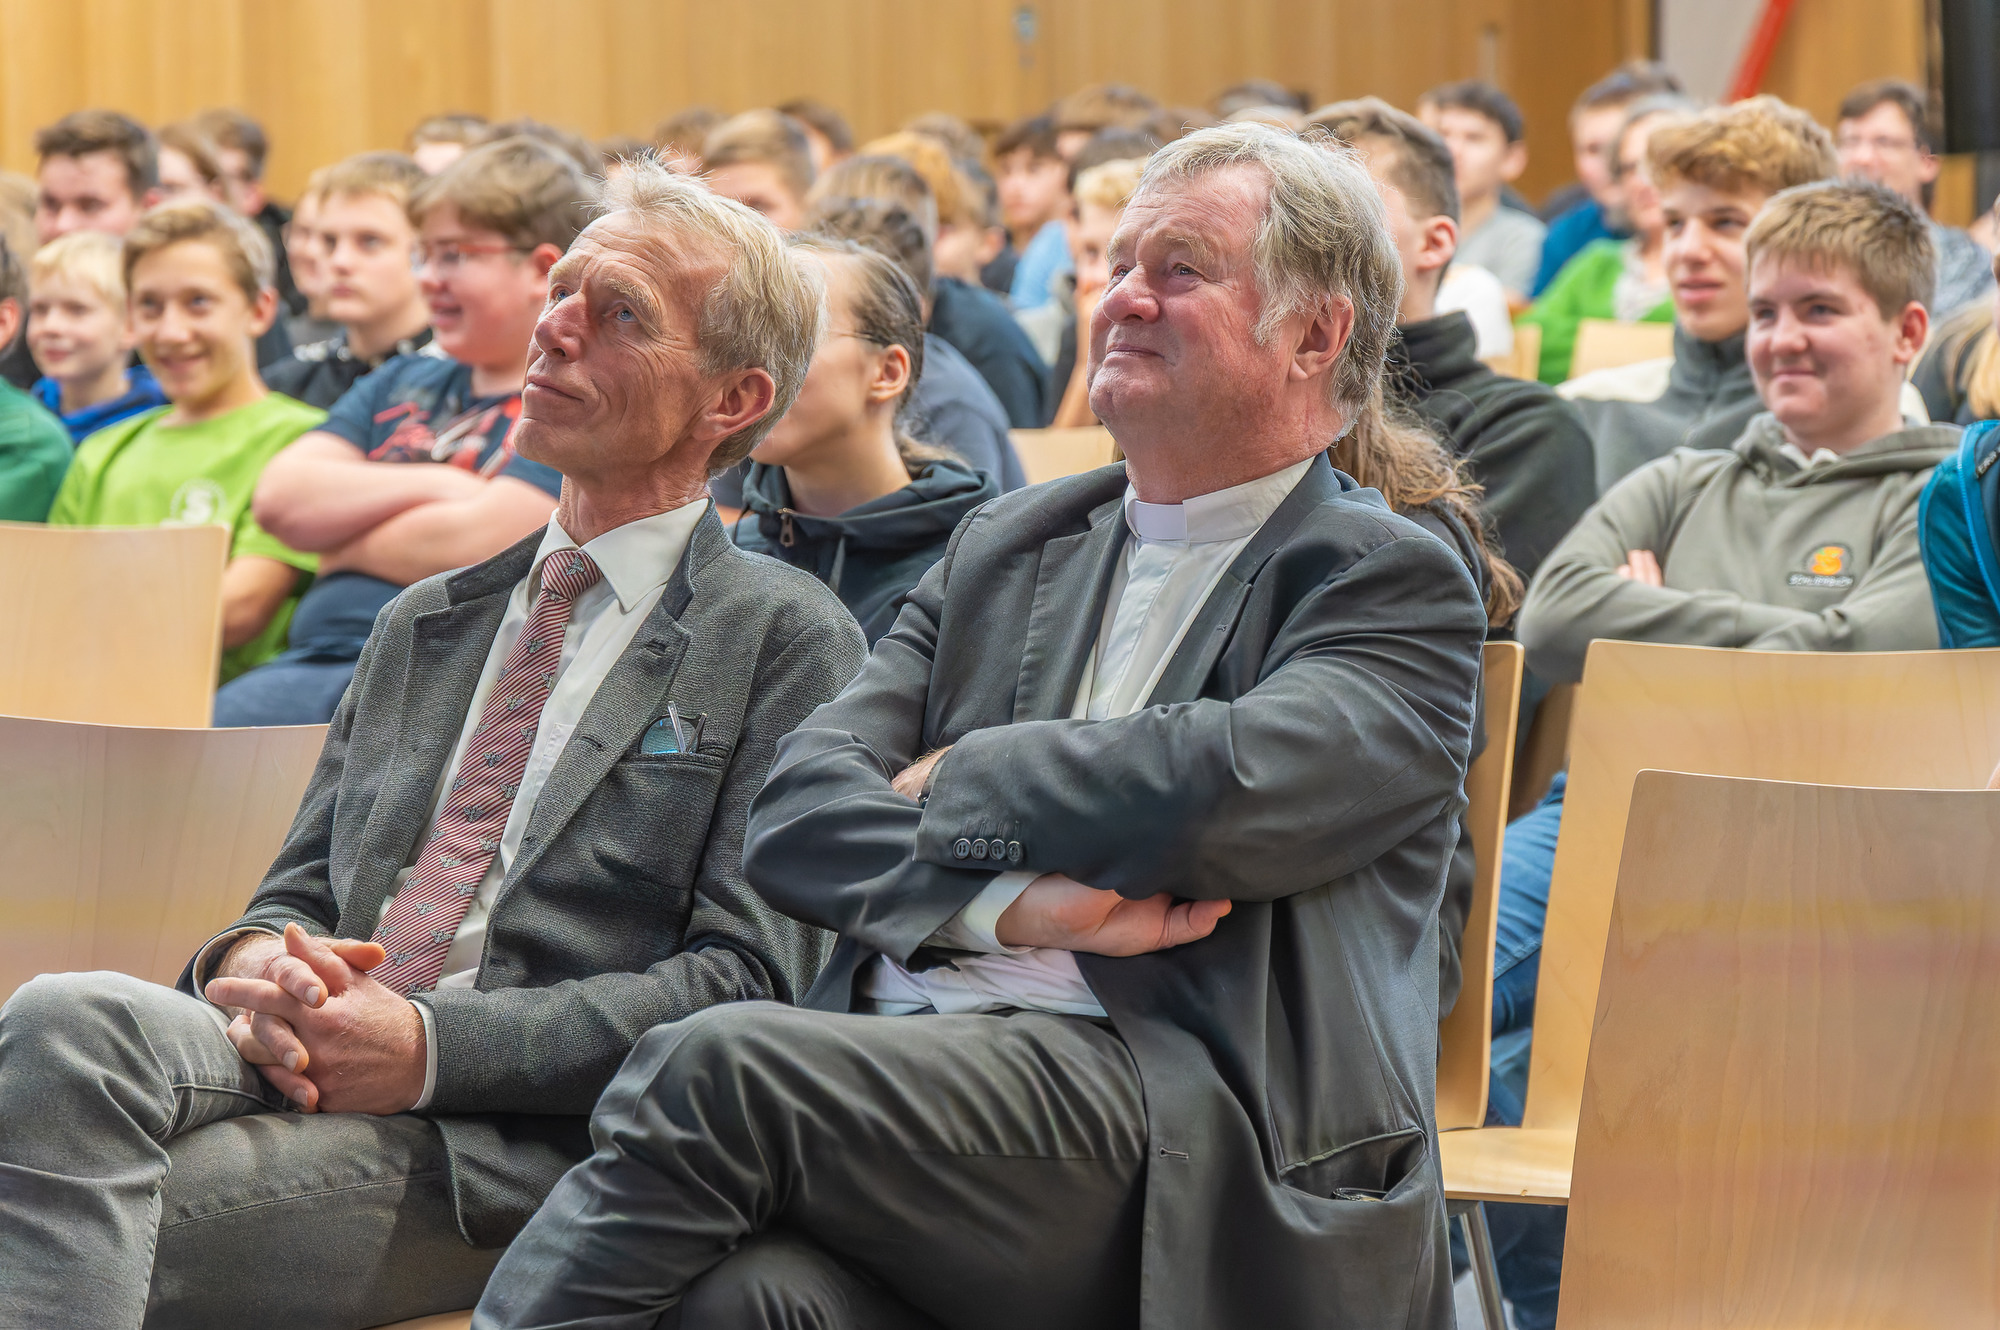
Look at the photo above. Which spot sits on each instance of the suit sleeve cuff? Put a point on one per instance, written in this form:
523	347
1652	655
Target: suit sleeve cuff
430	1058
212	952
972	928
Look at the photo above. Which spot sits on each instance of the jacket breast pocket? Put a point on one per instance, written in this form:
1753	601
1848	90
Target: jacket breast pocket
649	818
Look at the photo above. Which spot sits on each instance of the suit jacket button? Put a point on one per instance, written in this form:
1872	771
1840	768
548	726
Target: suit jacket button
1014	852
962	849
979	849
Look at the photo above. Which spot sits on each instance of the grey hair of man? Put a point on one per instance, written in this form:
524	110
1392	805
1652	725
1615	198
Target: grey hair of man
1323	237
766	309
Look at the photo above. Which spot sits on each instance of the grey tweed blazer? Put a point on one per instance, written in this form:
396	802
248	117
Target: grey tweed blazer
626	905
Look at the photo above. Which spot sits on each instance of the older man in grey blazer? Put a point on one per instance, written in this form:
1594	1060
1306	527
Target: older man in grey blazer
521	849
1134	830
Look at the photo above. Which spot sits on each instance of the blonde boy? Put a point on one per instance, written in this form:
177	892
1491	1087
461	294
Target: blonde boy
80	337
200	284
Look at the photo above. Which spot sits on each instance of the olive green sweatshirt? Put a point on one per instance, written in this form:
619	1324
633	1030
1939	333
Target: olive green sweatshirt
1757	551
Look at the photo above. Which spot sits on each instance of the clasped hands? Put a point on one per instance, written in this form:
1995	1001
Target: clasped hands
1060	912
317	1026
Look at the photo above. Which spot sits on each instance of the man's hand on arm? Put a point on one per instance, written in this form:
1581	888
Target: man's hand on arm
1642	566
322	492
314	1024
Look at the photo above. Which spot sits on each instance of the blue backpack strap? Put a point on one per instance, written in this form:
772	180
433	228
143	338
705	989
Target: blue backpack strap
1979	493
1957	542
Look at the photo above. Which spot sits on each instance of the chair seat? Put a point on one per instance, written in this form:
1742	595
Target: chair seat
1507	1164
442	1321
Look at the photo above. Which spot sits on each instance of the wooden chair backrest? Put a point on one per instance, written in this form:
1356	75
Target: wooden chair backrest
1465	1036
1050	454
1609	343
1525	360
1789	1115
1546	751
126	849
115	626
1902	720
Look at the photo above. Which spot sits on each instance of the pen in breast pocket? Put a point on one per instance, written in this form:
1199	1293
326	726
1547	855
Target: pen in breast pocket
681	743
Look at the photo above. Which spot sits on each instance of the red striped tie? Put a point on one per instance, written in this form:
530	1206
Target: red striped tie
423	919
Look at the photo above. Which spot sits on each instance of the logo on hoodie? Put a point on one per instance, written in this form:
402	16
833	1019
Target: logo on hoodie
1825	567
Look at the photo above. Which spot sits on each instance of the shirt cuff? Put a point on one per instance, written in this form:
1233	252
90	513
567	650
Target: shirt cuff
212	952
971	929
430	1058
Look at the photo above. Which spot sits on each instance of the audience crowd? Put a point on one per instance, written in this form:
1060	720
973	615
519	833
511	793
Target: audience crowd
403	374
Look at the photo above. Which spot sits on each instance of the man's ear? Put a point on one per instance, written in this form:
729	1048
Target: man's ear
1913	329
1515	162
264	311
1440	243
542	258
10	321
1323	338
743	399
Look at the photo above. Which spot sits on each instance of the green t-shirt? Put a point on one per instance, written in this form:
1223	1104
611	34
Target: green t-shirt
34	453
1586	288
140	472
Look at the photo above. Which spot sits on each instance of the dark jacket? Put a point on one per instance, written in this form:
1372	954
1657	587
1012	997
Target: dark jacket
869	556
626	904
318	373
1702	398
1301	756
978	323
1523	443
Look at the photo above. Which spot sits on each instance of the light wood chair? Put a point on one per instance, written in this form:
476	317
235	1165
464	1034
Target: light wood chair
1609	343
126	849
1050	454
1917	719
1546	751
116	626
1465	1037
1788	1116
1525	360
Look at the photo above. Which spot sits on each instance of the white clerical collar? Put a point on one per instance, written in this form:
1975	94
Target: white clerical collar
637	557
1231	514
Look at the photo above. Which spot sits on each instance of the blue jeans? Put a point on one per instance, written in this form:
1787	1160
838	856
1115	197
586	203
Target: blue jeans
1527	1239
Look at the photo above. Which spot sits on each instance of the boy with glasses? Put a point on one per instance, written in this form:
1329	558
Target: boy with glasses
490	227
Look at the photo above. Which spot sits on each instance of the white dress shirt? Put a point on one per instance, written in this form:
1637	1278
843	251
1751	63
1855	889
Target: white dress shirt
1176	554
637	560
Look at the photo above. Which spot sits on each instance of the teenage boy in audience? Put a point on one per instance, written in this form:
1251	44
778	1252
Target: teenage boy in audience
241	149
34	448
679	138
826	130
1713	171
189	167
1489	150
972	319
1885	134
442	139
1596	210
414	471
302	253
81	335
1802	537
982	255
1034	200
366	246
98	171
200	278
763	160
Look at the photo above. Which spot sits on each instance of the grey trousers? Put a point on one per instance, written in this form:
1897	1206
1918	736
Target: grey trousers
148	1176
761	1166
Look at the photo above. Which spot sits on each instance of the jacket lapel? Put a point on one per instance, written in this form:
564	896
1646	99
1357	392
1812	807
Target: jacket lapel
1202	645
1070	586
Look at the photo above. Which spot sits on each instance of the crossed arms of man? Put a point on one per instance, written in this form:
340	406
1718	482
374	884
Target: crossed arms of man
1354	736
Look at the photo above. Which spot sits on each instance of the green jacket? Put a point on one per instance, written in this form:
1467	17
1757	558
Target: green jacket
1582	290
34	454
1756	551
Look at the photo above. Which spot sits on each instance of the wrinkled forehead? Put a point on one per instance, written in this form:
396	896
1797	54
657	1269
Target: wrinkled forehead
651	262
1213	215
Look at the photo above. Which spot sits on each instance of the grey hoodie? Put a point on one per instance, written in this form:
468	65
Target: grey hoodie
1757	552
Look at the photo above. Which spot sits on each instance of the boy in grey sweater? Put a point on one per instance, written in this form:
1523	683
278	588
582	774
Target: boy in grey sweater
1800	537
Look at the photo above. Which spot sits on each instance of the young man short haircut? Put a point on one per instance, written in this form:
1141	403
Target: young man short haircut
190	166
679	137
98	170
199	278
81	336
243	150
1483	128
971	318
34	447
1885	134
439	141
414	471
763	160
1588	210
367	246
1034	201
827	131
1713	172
1802	537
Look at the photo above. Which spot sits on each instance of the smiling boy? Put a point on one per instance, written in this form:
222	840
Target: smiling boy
200	279
414	472
81	336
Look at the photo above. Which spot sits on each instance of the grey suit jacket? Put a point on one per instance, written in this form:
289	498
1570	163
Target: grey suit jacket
626	904
1302	756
